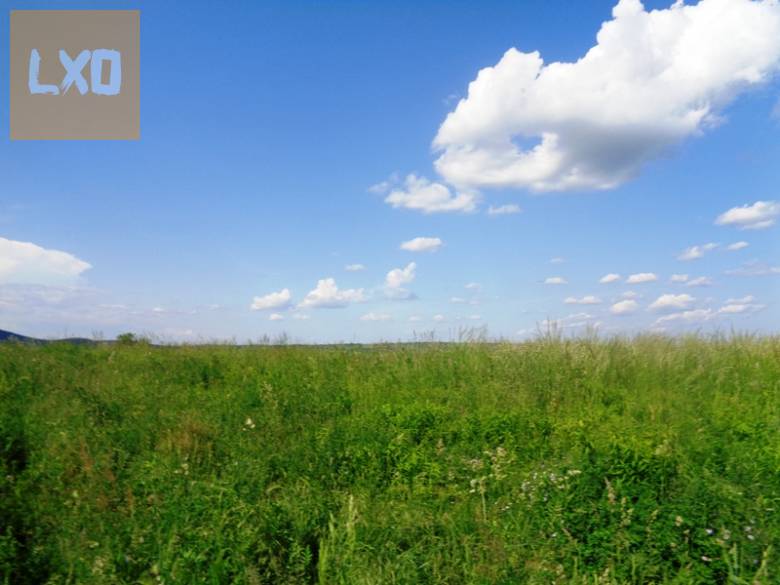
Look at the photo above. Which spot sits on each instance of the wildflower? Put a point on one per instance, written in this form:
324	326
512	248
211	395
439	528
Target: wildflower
678	520
249	423
709	531
705	558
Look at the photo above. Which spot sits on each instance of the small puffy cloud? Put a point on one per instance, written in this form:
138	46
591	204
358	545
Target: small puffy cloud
700	281
28	263
395	281
354	267
557	260
670	301
458	300
760	215
509	209
737	246
473	286
696	252
274	300
375	317
586	300
679	278
439	318
420	194
415	319
624	307
555	280
398	277
641	277
422	244
609	278
754	268
327	295
276	317
653	79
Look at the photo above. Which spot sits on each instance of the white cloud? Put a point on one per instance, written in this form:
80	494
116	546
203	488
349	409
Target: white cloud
732	307
695	252
327	295
301	316
629	294
276	317
422	245
568	322
415	318
509	209
669	301
420	194
384	186
586	300
641	277
458	300
27	263
557	260
439	318
737	246
624	307
375	317
274	300
354	267
740	308
700	281
609	278
679	278
693	316
398	277
652	80
741	301
474	286
475	317
555	280
760	215
754	268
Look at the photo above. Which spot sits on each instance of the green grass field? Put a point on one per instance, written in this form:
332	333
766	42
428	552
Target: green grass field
650	460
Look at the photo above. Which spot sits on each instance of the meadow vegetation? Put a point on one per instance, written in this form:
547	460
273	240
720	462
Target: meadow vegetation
646	460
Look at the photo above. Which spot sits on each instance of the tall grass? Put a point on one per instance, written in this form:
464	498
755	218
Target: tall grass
651	460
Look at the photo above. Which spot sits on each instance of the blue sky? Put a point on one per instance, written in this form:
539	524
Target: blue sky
274	134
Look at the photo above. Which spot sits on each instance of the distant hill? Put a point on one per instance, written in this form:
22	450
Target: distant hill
11	336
